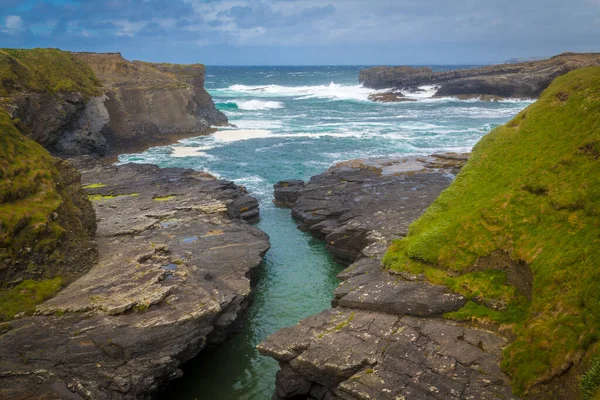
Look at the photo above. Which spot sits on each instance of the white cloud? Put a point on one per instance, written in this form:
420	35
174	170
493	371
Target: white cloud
13	25
127	28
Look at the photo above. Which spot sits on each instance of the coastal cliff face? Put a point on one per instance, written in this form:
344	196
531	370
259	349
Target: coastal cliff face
521	80
47	223
151	104
102	104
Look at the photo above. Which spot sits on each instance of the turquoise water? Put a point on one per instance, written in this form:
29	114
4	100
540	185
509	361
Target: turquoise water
294	122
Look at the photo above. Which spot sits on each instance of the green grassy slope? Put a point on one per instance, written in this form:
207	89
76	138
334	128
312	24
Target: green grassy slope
45	70
528	197
44	223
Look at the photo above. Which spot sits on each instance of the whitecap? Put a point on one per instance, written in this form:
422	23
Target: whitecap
333	91
241	134
424	92
255	105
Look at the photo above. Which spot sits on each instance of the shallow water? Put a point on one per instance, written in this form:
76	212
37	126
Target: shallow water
294	122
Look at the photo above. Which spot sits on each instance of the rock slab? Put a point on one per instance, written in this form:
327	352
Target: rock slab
178	263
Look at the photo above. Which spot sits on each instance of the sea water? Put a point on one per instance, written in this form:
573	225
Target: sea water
295	122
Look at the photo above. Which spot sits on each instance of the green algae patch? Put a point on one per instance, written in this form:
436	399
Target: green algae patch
166	198
26	295
45	70
531	192
100	197
95	186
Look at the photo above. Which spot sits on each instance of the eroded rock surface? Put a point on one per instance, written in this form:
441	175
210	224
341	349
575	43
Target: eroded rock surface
177	266
385	338
524	80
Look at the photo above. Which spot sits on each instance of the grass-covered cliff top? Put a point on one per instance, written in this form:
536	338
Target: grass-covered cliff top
45	70
518	232
115	71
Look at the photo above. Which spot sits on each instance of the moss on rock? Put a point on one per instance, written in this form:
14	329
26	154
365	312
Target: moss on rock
46	221
531	191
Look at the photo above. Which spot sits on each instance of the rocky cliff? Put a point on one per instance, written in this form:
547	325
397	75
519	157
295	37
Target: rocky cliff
520	80
102	104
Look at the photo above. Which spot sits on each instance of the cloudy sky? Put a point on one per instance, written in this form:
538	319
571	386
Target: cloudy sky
260	32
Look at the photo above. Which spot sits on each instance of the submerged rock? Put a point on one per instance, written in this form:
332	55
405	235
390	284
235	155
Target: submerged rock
376	343
178	262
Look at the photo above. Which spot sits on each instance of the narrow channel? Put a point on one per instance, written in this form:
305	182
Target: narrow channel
295	122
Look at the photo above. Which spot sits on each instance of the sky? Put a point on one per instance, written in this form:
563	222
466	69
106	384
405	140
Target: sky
306	32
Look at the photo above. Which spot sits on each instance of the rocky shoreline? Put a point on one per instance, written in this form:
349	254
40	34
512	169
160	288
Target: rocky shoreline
384	338
494	82
178	263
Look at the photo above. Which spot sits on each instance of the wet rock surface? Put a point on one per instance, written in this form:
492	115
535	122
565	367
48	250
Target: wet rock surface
361	202
178	262
385	338
524	80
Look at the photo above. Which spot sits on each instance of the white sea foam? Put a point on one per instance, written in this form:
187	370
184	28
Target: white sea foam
424	92
236	135
254	105
333	91
181	151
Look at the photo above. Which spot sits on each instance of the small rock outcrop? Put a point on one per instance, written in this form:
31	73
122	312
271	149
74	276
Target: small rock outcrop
177	265
383	340
514	80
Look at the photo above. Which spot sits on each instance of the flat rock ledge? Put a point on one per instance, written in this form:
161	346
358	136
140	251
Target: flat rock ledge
178	263
384	338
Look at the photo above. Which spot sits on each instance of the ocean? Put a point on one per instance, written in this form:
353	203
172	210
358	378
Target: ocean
295	122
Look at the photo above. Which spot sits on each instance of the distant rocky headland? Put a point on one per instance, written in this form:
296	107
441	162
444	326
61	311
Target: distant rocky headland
102	104
511	80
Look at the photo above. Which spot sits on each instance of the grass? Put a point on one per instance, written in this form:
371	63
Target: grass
531	190
28	192
26	295
590	382
45	70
